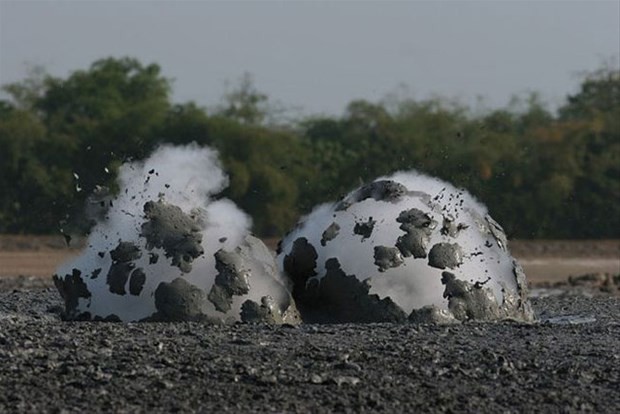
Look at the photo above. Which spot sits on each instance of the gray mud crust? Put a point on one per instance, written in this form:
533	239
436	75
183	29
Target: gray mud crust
569	364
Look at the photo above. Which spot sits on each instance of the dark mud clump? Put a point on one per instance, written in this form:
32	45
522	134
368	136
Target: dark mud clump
300	263
179	300
413	243
473	301
444	255
270	312
71	288
330	233
136	282
123	266
387	257
252	265
418	227
340	298
383	190
233	279
364	228
178	233
415	218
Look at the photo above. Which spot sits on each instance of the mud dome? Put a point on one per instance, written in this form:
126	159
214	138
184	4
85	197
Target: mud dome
163	250
405	247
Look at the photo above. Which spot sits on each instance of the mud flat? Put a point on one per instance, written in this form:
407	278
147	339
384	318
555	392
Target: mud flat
567	362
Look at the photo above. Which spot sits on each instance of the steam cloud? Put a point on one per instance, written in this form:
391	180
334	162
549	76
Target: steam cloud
405	246
154	248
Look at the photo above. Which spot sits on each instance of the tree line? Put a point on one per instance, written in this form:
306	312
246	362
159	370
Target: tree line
542	174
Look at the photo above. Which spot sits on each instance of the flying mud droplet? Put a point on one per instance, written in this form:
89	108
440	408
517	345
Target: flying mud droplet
364	228
330	233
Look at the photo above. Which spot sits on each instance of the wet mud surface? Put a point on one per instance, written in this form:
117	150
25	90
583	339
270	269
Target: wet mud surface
570	363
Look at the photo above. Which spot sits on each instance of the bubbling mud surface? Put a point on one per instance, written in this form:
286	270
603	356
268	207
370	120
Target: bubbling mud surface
165	249
405	247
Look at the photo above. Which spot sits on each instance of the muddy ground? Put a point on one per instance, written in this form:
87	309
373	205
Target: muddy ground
568	361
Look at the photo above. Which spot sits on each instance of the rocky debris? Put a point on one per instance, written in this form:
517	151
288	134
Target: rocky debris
387	257
445	255
178	233
341	298
364	228
382	190
330	233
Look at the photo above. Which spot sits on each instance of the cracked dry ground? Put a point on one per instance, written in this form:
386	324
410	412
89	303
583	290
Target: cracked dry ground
47	365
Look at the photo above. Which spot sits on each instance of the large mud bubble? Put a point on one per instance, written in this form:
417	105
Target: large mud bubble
432	255
165	250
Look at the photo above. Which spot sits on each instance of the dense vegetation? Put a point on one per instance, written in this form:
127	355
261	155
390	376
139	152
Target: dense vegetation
542	174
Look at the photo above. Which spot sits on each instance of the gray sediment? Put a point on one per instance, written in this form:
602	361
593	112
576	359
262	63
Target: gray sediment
566	362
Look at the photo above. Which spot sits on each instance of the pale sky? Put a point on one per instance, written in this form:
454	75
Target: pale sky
321	55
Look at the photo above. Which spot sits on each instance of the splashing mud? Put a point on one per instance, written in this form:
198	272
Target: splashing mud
405	247
165	249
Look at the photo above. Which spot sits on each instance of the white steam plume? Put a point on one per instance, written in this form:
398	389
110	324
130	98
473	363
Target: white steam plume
187	177
368	235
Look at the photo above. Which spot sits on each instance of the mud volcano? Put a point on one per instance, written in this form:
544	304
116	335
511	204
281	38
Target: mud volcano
405	247
165	250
